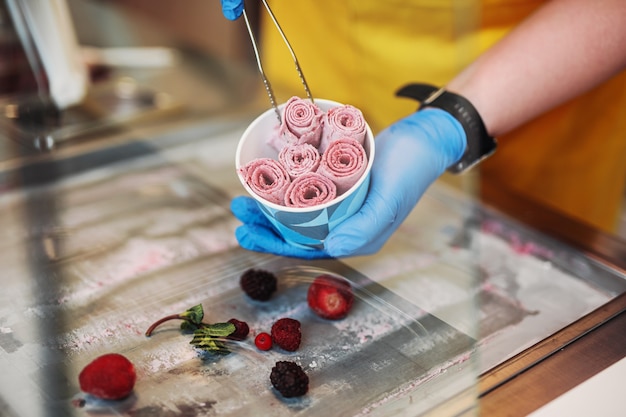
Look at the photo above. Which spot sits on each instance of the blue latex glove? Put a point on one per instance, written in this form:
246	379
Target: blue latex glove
410	155
232	9
259	235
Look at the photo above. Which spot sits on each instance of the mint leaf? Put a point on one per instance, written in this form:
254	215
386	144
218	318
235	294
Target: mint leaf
194	314
213	346
188	326
217	329
206	338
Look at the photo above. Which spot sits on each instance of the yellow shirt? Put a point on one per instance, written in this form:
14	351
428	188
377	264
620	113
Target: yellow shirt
361	51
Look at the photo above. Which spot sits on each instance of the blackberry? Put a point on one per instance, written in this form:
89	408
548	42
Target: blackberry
289	379
258	284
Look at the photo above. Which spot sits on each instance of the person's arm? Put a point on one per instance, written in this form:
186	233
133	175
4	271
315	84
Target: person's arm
561	51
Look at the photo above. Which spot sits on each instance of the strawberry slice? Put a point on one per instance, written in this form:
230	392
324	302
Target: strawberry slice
109	377
330	297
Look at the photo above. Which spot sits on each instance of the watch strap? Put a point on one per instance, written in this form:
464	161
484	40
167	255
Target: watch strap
479	143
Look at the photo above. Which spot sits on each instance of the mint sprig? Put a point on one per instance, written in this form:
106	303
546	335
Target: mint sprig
194	314
208	337
192	319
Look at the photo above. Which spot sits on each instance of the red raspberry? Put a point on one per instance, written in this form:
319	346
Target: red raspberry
330	297
286	334
241	329
263	341
110	377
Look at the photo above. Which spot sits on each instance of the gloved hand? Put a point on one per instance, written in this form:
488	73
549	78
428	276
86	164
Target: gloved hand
259	235
410	155
232	9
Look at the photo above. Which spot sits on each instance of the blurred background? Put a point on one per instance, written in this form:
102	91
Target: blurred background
78	75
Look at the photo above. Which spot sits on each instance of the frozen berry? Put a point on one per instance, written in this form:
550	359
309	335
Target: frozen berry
110	377
289	379
330	297
258	284
263	341
241	329
286	334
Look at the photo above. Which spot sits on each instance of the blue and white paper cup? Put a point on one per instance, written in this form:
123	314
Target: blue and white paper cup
304	227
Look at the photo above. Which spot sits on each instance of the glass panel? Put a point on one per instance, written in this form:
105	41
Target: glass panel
123	217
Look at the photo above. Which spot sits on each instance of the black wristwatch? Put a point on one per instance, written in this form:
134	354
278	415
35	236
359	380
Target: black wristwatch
479	144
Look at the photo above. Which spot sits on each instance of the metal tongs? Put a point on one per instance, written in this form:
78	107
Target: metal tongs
266	82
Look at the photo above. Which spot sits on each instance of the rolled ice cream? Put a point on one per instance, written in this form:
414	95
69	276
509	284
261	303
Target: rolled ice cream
309	140
344	162
267	178
310	189
299	159
302	122
340	122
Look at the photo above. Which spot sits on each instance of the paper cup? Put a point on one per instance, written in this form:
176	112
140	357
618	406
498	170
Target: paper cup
304	227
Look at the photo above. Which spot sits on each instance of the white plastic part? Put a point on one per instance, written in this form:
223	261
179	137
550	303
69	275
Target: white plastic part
49	24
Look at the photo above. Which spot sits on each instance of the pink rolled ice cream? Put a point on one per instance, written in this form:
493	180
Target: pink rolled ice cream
344	162
302	122
340	122
299	159
310	189
267	178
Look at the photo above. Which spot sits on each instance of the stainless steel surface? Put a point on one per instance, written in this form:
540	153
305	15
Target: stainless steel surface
112	251
108	106
91	258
